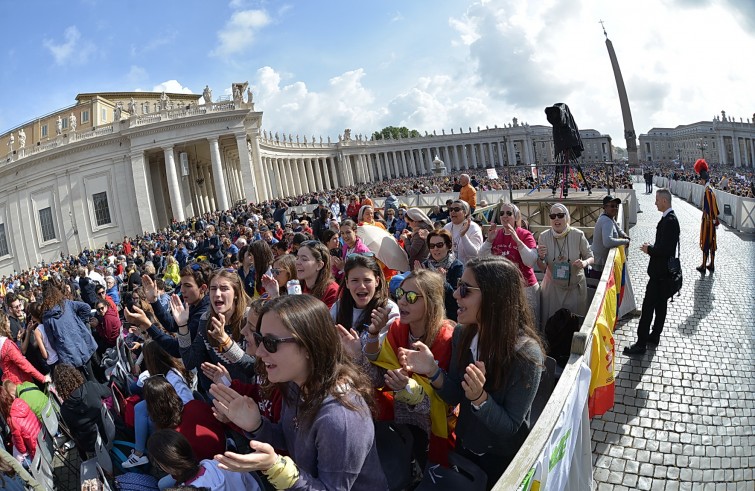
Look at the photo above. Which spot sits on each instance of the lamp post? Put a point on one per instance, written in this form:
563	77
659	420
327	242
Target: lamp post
702	145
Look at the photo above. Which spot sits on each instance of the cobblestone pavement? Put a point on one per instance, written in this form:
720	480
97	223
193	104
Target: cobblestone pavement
684	412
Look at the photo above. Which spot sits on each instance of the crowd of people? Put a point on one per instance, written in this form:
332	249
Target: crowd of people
739	181
290	335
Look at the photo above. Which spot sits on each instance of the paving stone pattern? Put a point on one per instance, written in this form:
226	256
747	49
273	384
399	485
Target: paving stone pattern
684	412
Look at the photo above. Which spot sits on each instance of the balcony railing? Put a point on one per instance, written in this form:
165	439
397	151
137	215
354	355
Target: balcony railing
108	129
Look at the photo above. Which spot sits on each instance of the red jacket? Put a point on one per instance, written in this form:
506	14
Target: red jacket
15	366
109	327
24	427
352	211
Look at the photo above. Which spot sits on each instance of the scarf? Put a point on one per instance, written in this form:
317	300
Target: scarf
562	234
444	263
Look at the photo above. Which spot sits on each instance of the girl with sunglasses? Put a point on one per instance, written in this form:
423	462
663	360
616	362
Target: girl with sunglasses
326	423
563	254
363	297
313	269
219	337
410	397
518	245
496	361
443	260
283	270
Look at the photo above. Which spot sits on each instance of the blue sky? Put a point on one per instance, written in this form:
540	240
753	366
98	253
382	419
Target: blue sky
319	67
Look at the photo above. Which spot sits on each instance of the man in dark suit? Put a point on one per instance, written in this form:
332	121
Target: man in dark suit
655	302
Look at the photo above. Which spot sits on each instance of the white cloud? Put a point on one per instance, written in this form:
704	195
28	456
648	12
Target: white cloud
72	50
239	32
398	16
172	86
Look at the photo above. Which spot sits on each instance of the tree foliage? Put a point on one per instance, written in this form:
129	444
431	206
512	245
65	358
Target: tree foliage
393	132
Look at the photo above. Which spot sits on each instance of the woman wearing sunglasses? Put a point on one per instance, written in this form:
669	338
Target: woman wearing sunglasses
496	361
364	295
219	337
412	401
326	423
313	269
563	254
283	270
516	244
465	233
443	260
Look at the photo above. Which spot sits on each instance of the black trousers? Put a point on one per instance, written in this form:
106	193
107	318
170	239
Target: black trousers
654	304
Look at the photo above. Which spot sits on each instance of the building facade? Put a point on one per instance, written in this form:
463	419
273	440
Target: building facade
720	141
120	163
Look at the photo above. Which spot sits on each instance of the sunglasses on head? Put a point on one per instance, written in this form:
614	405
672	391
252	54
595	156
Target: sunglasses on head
464	288
507	213
411	297
436	245
363	254
557	215
271	343
456	208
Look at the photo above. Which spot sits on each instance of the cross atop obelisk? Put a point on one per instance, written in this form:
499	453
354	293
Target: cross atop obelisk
604	28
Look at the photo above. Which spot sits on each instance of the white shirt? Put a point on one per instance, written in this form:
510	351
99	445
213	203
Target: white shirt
469	245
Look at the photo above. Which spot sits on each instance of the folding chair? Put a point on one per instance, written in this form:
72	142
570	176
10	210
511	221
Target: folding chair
91	470
41	465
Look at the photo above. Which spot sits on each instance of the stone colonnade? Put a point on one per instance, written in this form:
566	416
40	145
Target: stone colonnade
743	150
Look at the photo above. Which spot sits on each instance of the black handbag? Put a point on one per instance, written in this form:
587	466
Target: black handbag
673	283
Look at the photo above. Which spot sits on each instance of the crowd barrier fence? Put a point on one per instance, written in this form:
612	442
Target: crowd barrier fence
735	211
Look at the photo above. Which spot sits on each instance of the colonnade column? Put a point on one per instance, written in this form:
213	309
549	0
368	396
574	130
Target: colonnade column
249	185
309	174
217	174
318	176
208	181
412	163
295	174
326	174
143	198
280	178
492	156
174	188
366	170
263	188
303	176
456	164
464	161
403	163
510	152
371	159
737	153
333	172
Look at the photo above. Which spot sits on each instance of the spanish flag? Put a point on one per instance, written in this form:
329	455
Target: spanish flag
441	438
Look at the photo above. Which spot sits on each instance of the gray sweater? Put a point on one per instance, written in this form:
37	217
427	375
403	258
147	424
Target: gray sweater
606	236
503	422
337	452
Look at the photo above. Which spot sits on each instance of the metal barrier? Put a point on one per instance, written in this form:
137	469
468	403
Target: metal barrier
742	210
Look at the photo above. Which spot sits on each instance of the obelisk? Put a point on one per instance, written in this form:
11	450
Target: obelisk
626	113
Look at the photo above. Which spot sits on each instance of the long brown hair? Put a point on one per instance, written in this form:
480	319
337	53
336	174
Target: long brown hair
158	361
346	304
263	258
237	319
330	368
325	276
504	317
431	286
174	454
164	406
